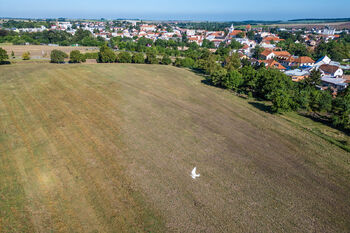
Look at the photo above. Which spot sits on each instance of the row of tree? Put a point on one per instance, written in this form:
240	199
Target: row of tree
81	37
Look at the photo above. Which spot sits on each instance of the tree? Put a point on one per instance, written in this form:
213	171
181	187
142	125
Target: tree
240	35
208	65
251	35
341	110
138	58
26	56
76	57
124	57
208	44
314	78
106	55
257	52
270	80
235	44
218	77
3	55
325	104
281	100
12	54
57	56
151	58
166	60
233	80
187	62
250	79
232	62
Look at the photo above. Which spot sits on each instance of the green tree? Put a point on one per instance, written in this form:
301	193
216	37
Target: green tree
124	57
208	44
341	110
187	62
271	80
251	35
12	54
3	55
257	52
250	79
232	62
313	79
325	104
76	57
218	77
282	100
240	35
233	80
166	60
106	55
57	56
235	44
138	58
151	58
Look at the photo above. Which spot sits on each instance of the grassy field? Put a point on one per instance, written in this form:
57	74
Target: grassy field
110	148
42	51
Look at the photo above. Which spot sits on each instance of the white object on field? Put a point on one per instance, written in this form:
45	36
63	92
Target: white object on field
194	174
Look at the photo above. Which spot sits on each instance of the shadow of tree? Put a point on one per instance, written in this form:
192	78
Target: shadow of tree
323	120
5	62
261	106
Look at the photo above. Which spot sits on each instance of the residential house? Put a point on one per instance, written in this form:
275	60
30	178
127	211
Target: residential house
271	38
272	64
331	70
294	61
267	54
297	74
336	84
147	28
304	61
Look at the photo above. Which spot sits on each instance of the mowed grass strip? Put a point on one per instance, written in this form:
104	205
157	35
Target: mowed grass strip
110	147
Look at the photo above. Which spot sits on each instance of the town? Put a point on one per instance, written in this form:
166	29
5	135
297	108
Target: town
259	45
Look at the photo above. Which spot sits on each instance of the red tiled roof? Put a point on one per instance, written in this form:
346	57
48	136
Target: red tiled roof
329	68
273	38
273	64
282	53
235	32
266	52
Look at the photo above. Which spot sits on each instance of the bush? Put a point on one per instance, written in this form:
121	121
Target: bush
106	55
166	60
138	58
76	57
58	56
124	57
26	56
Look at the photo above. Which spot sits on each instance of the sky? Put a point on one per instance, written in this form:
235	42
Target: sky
211	10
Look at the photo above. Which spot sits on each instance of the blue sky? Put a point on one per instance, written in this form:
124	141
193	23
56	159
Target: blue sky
220	10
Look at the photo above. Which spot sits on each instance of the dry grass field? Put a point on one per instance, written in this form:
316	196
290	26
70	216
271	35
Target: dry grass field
110	148
42	51
310	25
